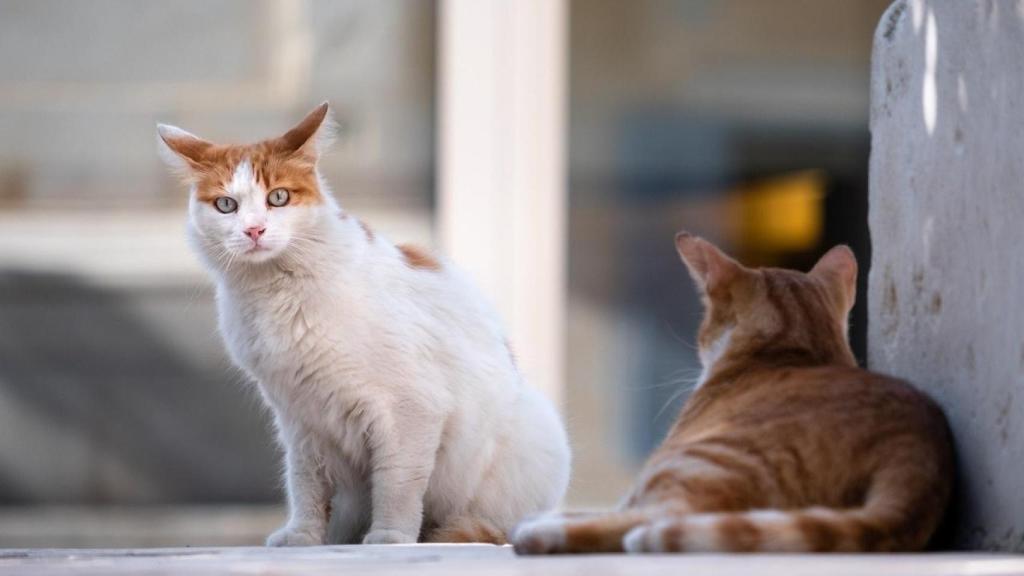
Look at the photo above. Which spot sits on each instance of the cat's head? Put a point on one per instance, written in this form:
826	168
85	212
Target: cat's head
772	314
252	203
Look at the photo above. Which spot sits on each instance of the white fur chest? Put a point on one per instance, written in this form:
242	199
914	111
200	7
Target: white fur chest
297	344
289	338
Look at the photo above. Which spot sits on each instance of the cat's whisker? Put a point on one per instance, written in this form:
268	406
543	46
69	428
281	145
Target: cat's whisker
674	378
685	370
675	396
679	338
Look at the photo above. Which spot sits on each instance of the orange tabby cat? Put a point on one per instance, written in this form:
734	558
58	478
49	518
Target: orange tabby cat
785	446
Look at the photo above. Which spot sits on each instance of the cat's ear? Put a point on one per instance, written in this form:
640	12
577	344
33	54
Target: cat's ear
710	267
182	151
838	269
310	137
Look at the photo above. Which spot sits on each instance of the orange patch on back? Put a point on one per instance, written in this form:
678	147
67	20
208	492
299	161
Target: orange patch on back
417	257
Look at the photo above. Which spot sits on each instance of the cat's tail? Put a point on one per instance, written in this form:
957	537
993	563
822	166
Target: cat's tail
900	513
789	531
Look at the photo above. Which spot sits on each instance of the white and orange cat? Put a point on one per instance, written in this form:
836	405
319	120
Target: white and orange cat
399	407
786	445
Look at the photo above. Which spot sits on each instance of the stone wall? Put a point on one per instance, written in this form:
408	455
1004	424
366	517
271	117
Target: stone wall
947	228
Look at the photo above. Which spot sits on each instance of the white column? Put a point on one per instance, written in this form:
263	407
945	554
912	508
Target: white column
502	177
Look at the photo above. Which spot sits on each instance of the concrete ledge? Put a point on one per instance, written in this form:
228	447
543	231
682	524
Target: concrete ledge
438	559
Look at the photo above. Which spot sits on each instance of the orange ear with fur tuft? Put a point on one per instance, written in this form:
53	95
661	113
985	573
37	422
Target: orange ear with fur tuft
180	149
709	266
311	135
838	268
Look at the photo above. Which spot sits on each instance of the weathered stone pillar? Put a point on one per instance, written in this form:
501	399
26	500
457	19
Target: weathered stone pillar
946	288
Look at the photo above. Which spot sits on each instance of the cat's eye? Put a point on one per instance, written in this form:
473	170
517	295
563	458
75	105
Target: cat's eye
225	204
278	197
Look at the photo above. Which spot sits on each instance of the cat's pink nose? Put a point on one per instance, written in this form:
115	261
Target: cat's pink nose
255	232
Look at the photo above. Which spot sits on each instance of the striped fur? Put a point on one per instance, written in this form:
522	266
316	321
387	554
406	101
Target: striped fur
786	446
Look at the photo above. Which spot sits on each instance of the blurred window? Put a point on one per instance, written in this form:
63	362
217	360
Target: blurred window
742	121
109	356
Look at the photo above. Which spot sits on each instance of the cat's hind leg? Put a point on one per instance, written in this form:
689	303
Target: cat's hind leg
466	529
350	515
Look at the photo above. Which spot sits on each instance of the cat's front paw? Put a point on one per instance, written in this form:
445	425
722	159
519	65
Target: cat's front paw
541	535
388	537
290	536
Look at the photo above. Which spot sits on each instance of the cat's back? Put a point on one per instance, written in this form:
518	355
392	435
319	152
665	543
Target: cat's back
816	434
838	400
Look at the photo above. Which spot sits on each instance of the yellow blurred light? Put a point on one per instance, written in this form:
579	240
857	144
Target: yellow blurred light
783	213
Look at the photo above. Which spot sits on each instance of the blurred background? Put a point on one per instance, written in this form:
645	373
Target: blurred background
122	423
